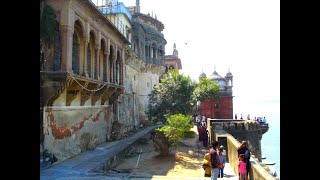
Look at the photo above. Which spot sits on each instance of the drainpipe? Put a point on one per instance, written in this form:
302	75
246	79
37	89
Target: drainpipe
134	107
118	109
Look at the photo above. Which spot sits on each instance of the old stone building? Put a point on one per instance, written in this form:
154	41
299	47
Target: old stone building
144	64
173	61
222	108
96	77
81	79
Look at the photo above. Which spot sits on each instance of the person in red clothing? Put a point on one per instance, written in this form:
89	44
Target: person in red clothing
200	129
205	136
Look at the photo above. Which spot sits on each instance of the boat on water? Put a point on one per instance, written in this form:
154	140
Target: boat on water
269	163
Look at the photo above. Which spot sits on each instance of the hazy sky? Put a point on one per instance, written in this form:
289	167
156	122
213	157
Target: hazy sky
242	35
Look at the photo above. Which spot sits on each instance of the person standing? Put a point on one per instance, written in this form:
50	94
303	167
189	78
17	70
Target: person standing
242	168
205	137
243	149
235	116
200	132
241	117
214	160
223	160
206	165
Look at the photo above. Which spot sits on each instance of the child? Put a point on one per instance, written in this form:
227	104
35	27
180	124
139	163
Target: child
242	168
222	158
206	165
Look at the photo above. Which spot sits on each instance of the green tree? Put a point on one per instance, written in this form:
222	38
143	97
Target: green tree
48	23
206	89
167	136
172	102
173	95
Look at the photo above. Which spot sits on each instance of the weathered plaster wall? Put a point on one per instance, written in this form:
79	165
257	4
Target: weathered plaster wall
127	101
139	81
146	82
70	130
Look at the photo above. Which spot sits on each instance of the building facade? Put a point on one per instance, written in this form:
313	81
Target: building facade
97	75
222	108
172	61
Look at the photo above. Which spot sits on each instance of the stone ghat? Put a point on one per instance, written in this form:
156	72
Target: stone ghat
230	124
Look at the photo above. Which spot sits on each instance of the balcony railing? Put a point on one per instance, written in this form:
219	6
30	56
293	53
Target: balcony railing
156	61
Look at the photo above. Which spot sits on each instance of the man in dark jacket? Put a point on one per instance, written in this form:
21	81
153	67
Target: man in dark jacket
243	149
214	160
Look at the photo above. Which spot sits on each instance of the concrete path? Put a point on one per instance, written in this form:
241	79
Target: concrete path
228	171
86	164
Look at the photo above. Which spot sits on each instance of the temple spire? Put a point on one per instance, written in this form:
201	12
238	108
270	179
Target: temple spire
137	8
175	51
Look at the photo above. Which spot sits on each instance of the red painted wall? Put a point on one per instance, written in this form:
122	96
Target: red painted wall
217	109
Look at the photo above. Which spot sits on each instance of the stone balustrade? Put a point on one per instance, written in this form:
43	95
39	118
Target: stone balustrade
257	171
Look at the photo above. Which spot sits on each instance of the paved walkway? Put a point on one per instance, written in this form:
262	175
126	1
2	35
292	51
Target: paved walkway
228	171
85	165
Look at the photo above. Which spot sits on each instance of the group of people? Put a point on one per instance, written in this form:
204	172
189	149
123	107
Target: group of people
261	120
203	132
241	117
217	159
214	161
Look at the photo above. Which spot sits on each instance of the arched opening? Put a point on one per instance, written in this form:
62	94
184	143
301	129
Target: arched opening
141	50
146	51
167	69
90	55
77	49
160	51
75	53
118	68
103	61
154	50
111	65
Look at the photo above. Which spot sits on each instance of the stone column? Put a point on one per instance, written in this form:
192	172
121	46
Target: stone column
114	71
66	33
116	65
122	67
97	61
105	65
111	69
85	70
